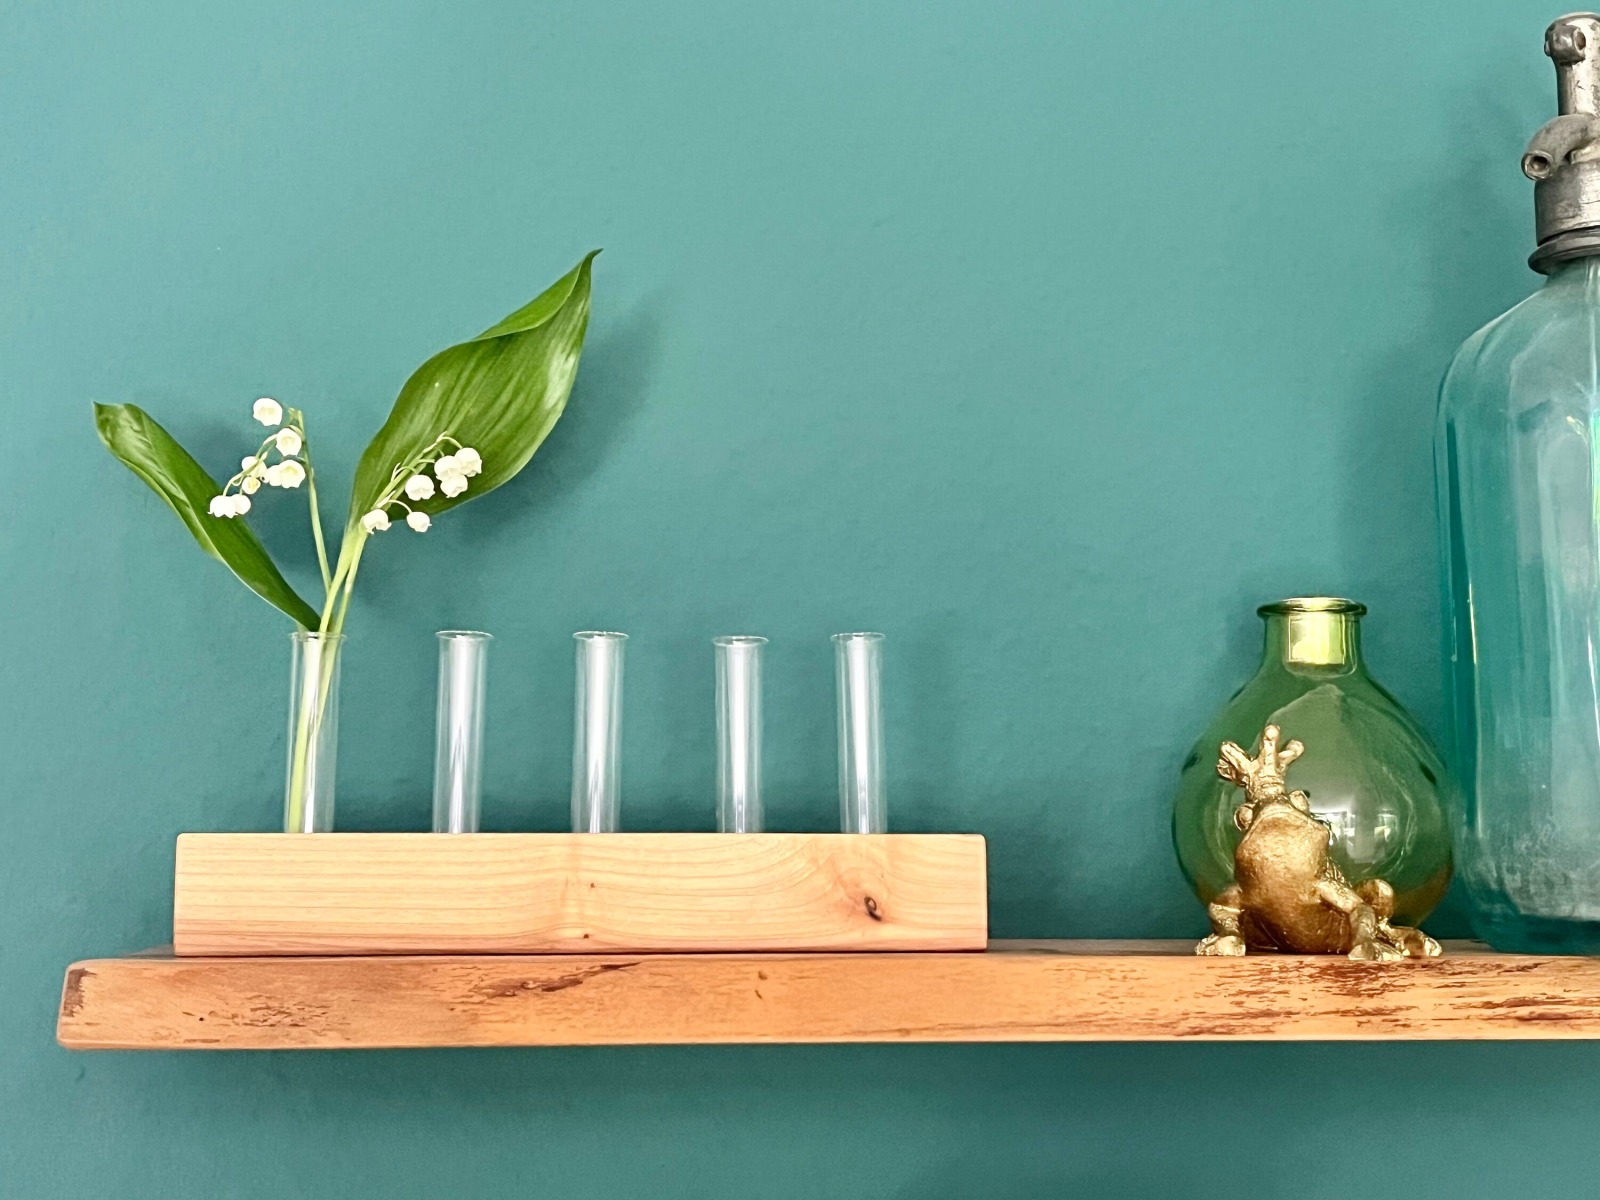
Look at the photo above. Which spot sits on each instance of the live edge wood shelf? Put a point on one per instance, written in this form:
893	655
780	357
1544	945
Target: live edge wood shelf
1014	992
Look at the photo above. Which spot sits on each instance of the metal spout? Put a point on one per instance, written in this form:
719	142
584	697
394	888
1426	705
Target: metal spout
1573	44
1563	158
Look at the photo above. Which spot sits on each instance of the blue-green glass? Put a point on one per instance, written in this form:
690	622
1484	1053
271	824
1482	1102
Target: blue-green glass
1518	504
1368	768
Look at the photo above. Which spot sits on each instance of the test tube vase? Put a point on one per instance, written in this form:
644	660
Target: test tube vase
574	893
458	743
738	665
313	731
597	732
858	667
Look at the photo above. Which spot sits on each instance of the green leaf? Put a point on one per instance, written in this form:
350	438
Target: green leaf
152	454
500	393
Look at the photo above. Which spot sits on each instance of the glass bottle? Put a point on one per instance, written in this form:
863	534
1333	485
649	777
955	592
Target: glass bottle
858	669
458	730
738	665
1368	768
309	777
1518	463
597	732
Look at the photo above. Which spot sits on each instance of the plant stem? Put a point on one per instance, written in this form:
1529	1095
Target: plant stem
307	718
313	700
316	522
349	585
338	585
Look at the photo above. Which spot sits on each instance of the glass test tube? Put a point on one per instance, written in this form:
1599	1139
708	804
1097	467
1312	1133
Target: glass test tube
739	733
458	739
313	731
858	664
597	732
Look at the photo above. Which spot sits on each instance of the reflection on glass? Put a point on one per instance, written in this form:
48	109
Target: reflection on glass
738	662
313	731
858	663
458	739
597	732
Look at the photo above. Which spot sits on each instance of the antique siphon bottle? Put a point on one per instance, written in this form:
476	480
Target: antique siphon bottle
1518	463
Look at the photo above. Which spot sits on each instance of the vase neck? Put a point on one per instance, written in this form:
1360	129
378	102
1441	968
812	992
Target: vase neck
1319	636
1577	273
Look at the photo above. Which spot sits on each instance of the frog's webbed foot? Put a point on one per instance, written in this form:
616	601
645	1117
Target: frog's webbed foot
1412	943
1230	944
1375	949
1225	936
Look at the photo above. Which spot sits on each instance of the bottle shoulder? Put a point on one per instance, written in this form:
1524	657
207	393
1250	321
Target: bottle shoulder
1548	341
1274	693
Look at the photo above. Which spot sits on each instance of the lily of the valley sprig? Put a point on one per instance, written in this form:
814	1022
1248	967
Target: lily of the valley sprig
258	468
452	465
466	421
412	481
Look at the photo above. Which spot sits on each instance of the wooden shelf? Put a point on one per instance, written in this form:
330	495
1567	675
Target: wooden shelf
1014	992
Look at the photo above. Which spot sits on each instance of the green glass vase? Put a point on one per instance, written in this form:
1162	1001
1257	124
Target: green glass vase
1368	768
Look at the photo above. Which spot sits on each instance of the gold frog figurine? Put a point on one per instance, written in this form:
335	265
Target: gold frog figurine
1287	893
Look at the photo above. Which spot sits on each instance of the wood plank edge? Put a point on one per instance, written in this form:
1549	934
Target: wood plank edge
1552	1021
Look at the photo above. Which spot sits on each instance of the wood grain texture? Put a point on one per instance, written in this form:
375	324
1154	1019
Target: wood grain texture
557	893
1017	992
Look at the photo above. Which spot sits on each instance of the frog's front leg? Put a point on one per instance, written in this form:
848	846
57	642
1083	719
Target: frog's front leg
1366	941
1379	895
1225	912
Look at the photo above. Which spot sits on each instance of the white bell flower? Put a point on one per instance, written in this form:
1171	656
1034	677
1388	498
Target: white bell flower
250	485
241	505
453	484
419	487
221	506
249	462
375	521
419	521
288	441
287	474
268	411
468	461
445	465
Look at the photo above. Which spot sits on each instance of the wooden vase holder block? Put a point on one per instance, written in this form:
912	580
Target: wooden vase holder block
571	893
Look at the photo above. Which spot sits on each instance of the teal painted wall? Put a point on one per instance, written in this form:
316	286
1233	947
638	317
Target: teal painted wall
1048	338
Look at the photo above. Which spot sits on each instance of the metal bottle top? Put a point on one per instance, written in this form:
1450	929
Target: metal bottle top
1563	159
